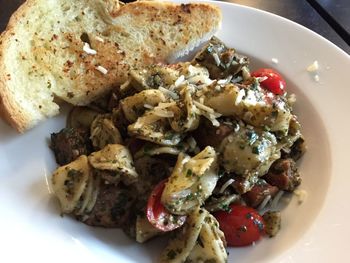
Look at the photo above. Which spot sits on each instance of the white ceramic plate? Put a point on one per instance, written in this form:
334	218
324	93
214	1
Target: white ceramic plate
30	225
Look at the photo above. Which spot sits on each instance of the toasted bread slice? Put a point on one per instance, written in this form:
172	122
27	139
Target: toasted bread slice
78	50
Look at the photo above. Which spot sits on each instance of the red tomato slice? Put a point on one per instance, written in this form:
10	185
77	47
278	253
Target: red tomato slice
242	225
274	82
157	214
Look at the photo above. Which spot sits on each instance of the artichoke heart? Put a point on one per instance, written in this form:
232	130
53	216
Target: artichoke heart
191	182
115	157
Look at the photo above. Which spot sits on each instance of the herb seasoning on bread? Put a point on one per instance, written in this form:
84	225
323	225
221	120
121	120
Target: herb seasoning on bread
77	51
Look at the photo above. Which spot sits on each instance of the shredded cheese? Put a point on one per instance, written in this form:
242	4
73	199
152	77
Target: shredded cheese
224	81
264	202
301	195
313	67
169	93
276	199
261	79
240	96
317	78
274	60
203	107
215	122
225	185
270	95
102	70
88	49
148	106
179	81
161	110
99	39
217	59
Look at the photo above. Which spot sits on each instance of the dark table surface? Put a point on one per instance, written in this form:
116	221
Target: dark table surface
337	12
304	13
329	18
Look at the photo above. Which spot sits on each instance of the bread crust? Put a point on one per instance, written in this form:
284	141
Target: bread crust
136	34
9	108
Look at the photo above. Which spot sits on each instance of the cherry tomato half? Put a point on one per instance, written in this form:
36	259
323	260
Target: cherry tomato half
157	214
274	82
242	225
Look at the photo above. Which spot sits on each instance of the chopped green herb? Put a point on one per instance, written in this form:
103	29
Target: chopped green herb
189	173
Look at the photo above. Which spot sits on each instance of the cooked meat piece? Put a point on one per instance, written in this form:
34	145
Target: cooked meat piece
284	174
258	193
243	185
112	207
272	221
209	135
297	150
151	171
69	144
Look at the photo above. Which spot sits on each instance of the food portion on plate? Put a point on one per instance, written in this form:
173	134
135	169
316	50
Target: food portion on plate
200	150
77	51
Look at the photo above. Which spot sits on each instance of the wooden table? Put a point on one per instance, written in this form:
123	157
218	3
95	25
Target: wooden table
330	19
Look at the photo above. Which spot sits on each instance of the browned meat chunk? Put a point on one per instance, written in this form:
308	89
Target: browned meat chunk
284	174
69	144
258	193
151	171
112	207
207	134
